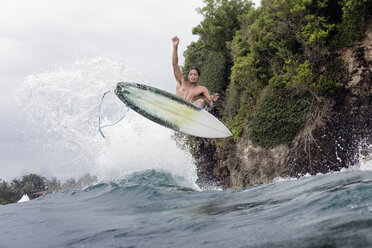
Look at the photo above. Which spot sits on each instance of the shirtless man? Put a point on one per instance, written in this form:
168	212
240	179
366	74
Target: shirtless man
190	90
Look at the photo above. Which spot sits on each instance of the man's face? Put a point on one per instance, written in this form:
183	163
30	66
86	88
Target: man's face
193	76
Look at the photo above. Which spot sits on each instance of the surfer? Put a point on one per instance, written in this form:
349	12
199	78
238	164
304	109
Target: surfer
190	89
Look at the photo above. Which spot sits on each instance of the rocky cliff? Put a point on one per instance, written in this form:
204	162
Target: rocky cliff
335	136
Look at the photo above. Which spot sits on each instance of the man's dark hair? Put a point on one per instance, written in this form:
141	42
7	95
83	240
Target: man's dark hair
194	68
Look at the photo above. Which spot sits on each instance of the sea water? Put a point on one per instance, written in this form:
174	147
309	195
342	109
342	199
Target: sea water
151	209
146	195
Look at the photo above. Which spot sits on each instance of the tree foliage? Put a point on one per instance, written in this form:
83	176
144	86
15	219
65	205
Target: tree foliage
35	185
288	44
211	64
210	53
221	21
284	46
355	16
32	184
7	193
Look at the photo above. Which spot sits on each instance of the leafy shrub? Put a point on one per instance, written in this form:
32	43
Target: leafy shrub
280	115
354	20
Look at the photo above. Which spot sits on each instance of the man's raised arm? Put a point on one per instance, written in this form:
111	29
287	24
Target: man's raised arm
176	69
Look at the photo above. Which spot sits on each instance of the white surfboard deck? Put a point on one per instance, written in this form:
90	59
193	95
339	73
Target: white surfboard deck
171	111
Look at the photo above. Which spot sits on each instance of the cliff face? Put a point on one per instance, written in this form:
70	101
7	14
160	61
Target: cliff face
333	139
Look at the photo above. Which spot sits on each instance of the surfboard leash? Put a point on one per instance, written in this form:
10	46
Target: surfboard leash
99	116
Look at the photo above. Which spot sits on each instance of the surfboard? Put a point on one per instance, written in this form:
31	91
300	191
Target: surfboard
170	110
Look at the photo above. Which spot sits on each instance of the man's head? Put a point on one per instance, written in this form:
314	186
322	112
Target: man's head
193	75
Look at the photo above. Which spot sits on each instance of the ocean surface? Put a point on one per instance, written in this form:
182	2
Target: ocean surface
150	209
146	195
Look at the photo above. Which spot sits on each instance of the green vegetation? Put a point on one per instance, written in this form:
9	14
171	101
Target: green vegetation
35	185
210	54
274	62
278	118
30	185
355	14
211	63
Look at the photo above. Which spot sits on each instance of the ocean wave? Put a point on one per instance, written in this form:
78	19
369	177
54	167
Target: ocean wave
151	208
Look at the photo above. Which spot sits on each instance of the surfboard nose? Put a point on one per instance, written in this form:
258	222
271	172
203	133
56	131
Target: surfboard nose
120	86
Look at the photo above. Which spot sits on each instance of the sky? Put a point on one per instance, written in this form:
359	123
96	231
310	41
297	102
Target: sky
37	36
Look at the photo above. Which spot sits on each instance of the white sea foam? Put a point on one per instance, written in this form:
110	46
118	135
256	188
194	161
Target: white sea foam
137	144
362	165
364	158
62	109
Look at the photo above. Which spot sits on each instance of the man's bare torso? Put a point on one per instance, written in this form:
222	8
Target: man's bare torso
190	92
